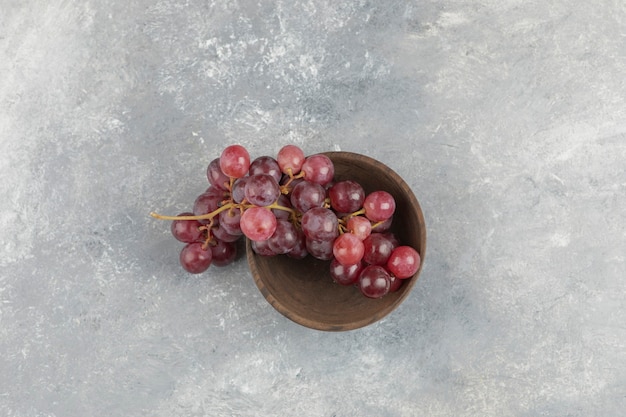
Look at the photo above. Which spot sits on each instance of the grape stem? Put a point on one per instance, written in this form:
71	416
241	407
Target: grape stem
227	206
208	216
285	187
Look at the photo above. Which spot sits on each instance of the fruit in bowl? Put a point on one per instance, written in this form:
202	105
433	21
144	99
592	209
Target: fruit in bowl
335	241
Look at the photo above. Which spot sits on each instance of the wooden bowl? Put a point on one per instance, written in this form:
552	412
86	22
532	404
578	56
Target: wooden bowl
303	290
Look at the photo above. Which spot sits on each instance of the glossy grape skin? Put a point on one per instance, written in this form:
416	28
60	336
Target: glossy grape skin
187	231
346	196
223	253
261	190
403	262
194	259
374	281
299	251
318	169
378	248
238	192
230	221
394	283
222	234
265	165
379	206
262	248
235	161
216	177
258	223
348	249
208	202
345	274
359	226
320	224
284	238
320	249
306	195
290	158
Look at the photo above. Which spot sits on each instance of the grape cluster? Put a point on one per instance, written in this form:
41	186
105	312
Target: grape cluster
292	205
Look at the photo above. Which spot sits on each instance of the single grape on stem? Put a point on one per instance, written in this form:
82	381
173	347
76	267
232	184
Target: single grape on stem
235	161
194	258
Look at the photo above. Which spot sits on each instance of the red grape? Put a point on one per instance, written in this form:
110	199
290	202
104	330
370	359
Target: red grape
284	238
320	223
261	247
224	253
238	192
194	259
258	223
235	161
215	175
320	249
187	231
346	196
377	249
348	249
220	233
306	195
374	281
290	157
403	262
261	190
379	206
265	165
318	169
299	251
359	226
394	283
229	221
345	274
208	202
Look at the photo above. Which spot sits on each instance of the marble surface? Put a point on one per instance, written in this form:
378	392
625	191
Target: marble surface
507	118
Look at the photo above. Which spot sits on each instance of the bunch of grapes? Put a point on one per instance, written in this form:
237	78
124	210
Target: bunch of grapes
292	205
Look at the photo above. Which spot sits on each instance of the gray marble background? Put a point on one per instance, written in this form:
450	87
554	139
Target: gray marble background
506	117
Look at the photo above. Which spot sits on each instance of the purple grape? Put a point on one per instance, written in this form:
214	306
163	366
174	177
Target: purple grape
306	195
320	249
319	169
299	251
220	233
320	223
265	165
284	238
261	247
224	253
215	175
374	281
346	196
345	274
378	248
194	259
229	221
238	192
262	190
187	231
208	202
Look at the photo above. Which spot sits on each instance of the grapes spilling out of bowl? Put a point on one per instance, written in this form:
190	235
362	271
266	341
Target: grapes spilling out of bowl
291	205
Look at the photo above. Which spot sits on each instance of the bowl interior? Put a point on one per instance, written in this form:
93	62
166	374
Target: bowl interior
304	292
